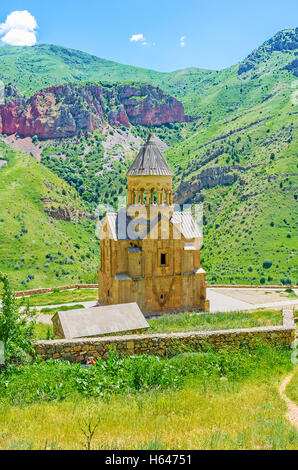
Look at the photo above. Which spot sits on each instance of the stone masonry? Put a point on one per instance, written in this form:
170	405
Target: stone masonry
167	344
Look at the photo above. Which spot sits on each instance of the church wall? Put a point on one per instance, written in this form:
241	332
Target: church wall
161	294
155	288
188	261
122	257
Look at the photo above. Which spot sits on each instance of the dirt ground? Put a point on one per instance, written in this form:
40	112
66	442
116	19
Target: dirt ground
254	296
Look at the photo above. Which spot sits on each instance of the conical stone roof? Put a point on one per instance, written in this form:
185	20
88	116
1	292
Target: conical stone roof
149	161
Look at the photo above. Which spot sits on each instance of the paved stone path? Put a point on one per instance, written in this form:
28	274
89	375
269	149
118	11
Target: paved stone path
224	303
292	413
220	302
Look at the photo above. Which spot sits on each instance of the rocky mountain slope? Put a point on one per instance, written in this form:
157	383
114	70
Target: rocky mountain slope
242	165
201	91
66	110
284	41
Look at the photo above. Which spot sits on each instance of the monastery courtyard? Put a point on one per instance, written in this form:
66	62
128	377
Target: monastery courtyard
223	299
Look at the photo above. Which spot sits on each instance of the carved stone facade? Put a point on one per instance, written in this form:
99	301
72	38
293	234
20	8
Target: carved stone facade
150	254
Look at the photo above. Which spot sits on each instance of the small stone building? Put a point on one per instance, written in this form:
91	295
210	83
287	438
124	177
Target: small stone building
150	253
99	321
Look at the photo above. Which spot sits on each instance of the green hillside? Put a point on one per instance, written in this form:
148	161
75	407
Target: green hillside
36	67
238	158
243	168
201	91
37	250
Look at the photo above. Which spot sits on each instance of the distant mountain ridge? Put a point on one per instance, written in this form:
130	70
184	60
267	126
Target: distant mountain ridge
283	41
43	65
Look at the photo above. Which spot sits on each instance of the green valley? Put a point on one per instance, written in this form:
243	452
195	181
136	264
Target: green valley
237	158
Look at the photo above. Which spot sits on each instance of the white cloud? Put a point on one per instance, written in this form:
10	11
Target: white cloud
19	29
19	37
137	38
182	41
141	38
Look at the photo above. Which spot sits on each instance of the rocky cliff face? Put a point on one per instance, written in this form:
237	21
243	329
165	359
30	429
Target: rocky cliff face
65	212
65	110
208	178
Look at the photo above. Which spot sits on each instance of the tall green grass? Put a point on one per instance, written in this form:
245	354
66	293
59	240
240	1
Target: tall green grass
216	400
57	380
214	321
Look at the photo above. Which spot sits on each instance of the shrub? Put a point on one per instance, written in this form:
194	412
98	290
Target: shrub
16	328
289	291
267	264
262	280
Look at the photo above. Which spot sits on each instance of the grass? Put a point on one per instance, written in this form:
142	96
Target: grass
292	388
37	250
63	308
43	331
63	297
214	321
217	400
289	293
187	321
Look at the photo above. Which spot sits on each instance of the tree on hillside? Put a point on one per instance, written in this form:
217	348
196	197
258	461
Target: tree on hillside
16	327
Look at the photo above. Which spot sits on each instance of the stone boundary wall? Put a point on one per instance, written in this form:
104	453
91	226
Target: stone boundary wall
79	350
95	286
51	289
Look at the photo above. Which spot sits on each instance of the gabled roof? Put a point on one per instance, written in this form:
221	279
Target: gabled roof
149	161
97	321
182	221
186	224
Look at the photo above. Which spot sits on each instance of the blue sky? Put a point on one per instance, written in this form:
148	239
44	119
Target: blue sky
169	34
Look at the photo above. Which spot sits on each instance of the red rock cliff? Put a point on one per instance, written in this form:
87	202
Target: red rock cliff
65	110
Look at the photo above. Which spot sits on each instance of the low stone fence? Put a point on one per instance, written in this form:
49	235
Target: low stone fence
78	350
52	289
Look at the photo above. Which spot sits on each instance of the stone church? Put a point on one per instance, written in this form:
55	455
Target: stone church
150	253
